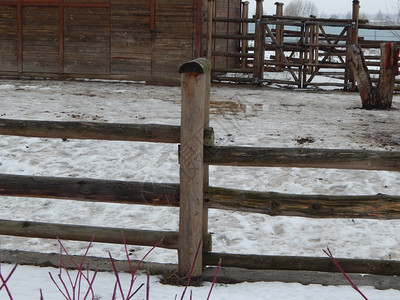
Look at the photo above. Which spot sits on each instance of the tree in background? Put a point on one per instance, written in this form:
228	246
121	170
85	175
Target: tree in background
394	16
301	8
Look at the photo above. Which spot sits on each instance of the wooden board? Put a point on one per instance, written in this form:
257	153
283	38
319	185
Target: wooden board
8	39
87	51
39	36
104	37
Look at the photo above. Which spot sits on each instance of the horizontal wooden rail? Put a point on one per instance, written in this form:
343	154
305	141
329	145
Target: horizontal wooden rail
303	158
167	194
85	233
234	20
95	190
310	206
232	54
100	234
93	130
297	263
232	79
379	27
234	36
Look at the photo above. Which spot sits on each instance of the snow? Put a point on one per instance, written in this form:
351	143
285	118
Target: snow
240	115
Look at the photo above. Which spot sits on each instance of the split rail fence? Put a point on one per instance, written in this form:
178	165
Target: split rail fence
303	48
193	194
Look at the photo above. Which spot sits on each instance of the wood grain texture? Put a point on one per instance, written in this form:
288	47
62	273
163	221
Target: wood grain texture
92	130
296	263
310	206
86	189
303	158
193	90
85	233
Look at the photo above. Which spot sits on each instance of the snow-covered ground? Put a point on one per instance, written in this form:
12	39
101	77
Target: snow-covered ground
240	116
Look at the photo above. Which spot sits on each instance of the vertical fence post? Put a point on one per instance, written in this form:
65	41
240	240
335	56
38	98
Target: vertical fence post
259	41
210	27
355	17
387	74
279	36
245	31
354	37
194	88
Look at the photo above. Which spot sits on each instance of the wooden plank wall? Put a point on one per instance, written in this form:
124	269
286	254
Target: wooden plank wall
86	40
8	38
40	39
131	42
173	41
227	9
136	39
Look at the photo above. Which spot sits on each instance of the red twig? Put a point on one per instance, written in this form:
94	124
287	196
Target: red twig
118	282
191	270
148	286
4	281
214	280
58	287
330	255
133	272
75	284
137	290
129	263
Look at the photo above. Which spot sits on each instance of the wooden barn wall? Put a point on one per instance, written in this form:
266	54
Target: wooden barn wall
40	39
8	38
86	40
231	9
132	39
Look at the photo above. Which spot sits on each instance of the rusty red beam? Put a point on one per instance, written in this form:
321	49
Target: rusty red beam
8	3
53	4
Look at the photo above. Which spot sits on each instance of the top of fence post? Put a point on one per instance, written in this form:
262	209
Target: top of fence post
198	65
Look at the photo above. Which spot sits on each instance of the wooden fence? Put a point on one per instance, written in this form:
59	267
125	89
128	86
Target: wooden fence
193	195
303	48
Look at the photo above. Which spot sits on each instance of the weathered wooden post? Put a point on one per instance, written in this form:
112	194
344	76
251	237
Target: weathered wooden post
259	41
387	75
279	36
382	95
314	46
354	38
194	88
245	31
355	17
210	27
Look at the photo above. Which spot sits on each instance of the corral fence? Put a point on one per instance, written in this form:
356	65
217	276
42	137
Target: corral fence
193	194
277	49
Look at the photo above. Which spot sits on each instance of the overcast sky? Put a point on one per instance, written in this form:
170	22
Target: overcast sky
329	7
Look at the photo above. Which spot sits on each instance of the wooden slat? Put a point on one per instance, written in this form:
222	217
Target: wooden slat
91	130
167	194
297	263
85	189
310	206
85	233
303	158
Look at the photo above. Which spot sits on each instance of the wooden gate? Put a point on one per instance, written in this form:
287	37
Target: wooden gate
304	47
